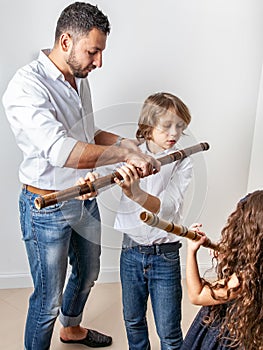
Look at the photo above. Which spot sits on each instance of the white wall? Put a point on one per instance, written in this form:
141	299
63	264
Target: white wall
209	53
256	166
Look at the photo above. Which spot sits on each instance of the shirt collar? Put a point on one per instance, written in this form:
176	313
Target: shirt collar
50	67
146	150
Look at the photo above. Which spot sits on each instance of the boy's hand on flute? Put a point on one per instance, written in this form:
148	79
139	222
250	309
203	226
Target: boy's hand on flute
130	183
91	176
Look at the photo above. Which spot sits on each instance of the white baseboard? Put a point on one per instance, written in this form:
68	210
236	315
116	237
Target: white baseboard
22	280
107	275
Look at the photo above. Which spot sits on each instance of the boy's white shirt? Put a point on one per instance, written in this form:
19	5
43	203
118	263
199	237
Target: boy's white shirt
170	185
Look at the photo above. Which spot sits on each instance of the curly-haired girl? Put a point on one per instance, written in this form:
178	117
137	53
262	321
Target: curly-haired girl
232	312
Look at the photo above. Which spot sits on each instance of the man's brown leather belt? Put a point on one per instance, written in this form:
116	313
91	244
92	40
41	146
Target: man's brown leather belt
36	190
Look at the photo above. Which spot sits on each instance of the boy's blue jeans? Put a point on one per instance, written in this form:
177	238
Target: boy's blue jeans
69	230
159	276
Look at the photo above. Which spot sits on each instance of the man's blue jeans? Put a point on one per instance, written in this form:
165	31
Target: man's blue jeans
159	276
53	235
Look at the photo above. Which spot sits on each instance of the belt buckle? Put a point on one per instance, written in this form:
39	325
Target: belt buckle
151	249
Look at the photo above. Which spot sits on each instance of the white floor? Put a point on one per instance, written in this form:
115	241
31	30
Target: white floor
103	312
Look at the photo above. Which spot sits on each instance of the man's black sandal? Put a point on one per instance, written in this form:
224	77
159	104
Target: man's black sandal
93	339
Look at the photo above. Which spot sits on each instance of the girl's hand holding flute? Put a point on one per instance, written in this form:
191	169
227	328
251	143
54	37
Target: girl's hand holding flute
194	245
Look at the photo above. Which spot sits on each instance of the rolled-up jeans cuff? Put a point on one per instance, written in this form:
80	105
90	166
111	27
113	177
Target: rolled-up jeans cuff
70	321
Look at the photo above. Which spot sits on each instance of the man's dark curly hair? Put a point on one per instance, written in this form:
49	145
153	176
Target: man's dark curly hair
79	18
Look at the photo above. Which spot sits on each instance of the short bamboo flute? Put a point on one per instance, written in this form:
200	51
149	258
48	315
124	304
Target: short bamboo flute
153	220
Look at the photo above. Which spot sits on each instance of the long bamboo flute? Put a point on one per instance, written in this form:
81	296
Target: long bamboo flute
88	187
152	219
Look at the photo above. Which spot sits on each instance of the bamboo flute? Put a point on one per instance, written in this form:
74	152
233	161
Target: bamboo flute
153	220
88	187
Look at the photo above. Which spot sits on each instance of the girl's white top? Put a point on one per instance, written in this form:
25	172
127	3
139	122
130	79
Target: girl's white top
170	185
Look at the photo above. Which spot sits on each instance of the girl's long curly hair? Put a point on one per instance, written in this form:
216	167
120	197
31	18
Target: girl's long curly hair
241	252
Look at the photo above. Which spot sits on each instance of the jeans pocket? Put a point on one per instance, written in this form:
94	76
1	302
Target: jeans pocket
126	249
171	256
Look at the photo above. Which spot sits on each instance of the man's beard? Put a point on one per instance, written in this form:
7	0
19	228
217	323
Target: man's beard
75	67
